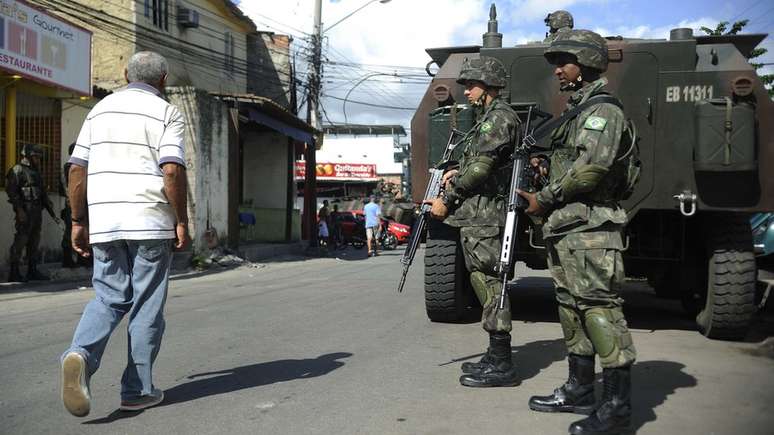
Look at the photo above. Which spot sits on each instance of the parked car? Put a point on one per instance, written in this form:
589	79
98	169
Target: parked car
763	233
349	220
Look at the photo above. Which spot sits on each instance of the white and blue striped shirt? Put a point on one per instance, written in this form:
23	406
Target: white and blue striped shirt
123	143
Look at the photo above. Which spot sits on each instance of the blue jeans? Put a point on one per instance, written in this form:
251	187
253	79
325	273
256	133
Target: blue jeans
130	276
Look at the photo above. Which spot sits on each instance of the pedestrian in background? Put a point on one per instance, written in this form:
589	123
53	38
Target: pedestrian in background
372	213
324	223
69	257
129	162
27	195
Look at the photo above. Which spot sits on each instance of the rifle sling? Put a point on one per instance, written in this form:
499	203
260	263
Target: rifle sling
545	129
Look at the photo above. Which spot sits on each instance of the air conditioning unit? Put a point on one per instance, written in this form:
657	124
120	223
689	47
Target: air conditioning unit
187	18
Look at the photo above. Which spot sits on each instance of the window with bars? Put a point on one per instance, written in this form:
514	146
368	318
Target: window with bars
228	53
38	121
158	12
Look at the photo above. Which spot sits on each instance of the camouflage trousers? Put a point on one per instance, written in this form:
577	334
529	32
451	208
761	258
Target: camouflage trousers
481	248
587	284
27	237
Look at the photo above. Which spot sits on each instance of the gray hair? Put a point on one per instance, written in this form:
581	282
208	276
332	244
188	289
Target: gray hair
147	67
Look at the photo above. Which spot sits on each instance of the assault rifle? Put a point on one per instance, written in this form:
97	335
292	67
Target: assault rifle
520	180
433	189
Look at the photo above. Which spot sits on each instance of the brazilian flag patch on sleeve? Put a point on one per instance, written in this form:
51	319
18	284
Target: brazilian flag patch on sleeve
486	127
595	123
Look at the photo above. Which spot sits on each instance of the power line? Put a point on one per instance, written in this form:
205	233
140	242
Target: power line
187	53
371	104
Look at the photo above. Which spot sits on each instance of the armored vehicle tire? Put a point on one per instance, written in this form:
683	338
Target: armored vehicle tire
445	274
729	305
358	244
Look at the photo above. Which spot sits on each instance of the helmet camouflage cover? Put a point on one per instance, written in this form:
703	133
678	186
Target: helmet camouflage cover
558	19
588	47
486	70
30	149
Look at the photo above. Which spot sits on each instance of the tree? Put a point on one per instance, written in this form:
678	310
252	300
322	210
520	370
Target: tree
722	29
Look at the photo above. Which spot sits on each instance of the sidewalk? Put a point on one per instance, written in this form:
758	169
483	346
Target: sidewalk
181	265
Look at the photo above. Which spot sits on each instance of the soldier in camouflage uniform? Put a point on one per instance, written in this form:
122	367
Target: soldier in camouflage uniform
27	195
583	230
474	194
557	22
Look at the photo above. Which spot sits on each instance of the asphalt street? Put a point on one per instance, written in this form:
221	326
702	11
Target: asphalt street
327	346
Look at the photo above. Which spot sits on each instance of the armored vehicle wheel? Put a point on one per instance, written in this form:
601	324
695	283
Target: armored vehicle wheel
445	274
729	305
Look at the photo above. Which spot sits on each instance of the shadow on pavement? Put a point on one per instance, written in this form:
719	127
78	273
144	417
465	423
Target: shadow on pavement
652	384
532	300
114	416
240	378
530	358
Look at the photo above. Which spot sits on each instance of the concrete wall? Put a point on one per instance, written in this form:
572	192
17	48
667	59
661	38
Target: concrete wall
269	66
197	56
111	48
202	66
206	160
265	169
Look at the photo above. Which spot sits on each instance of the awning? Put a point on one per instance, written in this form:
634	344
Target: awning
264	111
281	127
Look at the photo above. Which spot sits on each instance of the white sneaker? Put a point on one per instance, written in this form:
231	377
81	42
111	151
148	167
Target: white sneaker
75	385
143	402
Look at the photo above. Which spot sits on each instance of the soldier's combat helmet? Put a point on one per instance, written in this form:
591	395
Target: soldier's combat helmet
588	47
30	149
485	69
558	19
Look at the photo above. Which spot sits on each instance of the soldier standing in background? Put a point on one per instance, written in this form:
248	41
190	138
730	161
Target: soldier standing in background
557	22
583	231
475	197
28	197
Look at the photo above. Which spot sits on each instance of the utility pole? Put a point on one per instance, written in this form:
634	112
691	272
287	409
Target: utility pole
313	118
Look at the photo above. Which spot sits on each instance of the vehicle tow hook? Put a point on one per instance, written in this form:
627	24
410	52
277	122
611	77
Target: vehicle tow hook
687	197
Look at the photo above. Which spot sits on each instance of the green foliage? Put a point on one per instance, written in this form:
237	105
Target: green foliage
720	30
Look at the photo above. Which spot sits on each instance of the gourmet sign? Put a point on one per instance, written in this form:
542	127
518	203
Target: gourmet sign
339	171
43	48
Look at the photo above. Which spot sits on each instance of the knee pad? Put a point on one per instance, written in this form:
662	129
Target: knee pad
608	332
574	336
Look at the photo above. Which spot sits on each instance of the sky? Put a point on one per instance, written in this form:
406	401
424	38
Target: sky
377	56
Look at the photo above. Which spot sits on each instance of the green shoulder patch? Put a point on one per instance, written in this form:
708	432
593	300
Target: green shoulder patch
595	123
486	127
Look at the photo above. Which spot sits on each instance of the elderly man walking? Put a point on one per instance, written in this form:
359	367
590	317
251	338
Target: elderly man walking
129	166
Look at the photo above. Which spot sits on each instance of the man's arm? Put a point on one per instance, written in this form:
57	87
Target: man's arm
76	189
176	189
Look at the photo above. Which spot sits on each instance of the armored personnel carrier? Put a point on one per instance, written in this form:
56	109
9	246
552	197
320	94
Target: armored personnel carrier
705	128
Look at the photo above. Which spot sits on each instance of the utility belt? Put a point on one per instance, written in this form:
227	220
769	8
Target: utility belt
31	193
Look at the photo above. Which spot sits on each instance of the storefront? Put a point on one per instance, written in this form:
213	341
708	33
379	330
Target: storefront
340	180
45	84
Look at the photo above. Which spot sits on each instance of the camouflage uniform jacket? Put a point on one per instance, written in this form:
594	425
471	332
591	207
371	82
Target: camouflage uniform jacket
493	136
593	137
24	186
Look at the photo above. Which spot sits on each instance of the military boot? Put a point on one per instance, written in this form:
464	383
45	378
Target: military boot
33	274
14	274
576	395
501	372
613	415
483	363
